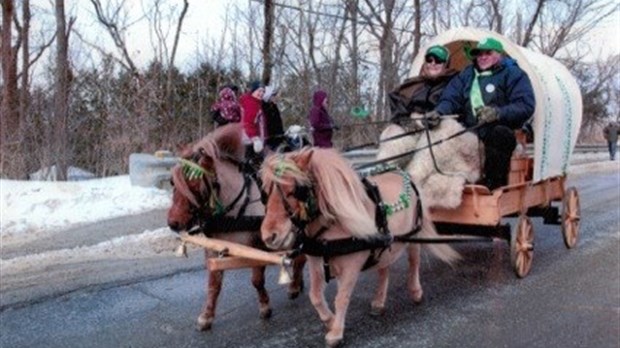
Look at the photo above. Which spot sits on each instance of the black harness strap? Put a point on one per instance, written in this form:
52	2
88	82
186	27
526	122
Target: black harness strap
344	246
220	224
380	216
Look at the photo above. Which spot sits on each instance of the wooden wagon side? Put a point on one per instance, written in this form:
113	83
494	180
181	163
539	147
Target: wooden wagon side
481	210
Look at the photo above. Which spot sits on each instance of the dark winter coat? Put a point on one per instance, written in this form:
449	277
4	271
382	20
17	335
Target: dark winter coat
610	132
509	90
418	94
320	121
273	125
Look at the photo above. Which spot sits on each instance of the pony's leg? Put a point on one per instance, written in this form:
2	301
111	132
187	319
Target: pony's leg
346	283
317	289
413	281
377	305
214	286
297	285
258	280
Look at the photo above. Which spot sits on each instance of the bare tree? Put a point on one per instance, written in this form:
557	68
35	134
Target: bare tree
268	11
109	18
527	36
384	14
10	115
61	149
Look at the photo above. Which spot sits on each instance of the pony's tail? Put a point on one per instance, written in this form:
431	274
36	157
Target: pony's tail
444	252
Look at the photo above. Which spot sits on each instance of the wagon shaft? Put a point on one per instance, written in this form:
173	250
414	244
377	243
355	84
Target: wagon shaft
253	257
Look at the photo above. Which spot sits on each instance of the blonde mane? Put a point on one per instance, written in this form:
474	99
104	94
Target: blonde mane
340	194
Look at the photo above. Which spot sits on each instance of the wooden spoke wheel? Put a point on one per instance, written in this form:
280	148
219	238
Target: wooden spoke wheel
571	216
522	246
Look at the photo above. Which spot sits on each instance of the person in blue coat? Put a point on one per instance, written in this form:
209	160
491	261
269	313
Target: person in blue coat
496	94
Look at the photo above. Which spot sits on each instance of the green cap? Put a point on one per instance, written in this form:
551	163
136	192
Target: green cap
488	44
359	112
439	52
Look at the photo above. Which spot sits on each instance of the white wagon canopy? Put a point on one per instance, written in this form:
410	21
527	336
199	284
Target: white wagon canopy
557	118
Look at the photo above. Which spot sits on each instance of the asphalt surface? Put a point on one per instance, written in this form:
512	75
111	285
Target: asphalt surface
571	298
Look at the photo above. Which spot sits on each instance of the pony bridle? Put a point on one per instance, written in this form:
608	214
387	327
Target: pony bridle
307	208
207	200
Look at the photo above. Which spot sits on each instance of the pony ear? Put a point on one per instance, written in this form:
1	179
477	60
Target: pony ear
228	140
184	150
303	158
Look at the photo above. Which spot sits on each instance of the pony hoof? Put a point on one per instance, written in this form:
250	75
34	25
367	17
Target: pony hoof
417	295
377	311
334	342
265	313
204	323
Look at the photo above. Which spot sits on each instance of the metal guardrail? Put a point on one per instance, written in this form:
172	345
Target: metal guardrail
358	157
154	170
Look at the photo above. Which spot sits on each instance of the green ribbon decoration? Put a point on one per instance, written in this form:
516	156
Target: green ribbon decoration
475	95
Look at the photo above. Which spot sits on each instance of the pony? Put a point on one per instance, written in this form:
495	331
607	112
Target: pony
214	188
317	203
459	160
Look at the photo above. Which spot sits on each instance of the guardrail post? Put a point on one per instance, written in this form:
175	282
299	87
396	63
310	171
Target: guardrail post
148	170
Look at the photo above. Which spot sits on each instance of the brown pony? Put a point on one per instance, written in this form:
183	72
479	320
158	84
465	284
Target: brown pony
317	191
214	189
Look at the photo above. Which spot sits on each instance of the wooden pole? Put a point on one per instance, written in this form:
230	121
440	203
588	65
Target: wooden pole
235	249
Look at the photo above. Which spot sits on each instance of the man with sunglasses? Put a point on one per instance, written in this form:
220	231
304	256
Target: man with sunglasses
420	94
496	94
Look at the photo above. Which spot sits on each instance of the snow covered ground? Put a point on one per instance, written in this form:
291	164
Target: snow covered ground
31	206
33	210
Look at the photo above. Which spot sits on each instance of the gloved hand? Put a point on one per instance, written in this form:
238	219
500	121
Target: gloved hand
257	145
487	114
431	119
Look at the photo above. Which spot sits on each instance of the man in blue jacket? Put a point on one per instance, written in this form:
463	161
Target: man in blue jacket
496	94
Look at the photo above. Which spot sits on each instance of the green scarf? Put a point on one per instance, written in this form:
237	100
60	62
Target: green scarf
475	95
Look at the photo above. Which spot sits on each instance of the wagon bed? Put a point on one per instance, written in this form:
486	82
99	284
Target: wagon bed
481	210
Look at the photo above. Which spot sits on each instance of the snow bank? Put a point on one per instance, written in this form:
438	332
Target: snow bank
32	207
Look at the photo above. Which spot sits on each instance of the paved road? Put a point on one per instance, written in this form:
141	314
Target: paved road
570	299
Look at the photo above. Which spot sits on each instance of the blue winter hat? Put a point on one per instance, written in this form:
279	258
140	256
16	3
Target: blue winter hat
254	85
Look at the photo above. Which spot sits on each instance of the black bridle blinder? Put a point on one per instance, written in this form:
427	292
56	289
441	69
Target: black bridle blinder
214	219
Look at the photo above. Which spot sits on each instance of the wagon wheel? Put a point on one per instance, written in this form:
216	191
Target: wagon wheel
571	216
522	246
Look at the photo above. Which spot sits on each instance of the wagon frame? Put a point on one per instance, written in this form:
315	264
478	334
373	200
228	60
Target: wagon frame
481	210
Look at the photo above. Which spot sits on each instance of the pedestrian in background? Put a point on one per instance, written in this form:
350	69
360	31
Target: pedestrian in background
226	109
252	116
610	132
274	135
320	121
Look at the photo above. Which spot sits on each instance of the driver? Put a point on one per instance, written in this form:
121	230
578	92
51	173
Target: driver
495	93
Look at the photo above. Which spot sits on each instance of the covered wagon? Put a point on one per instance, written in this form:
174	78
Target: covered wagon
537	177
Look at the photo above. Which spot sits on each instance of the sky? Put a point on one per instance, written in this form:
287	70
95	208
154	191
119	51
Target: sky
205	20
